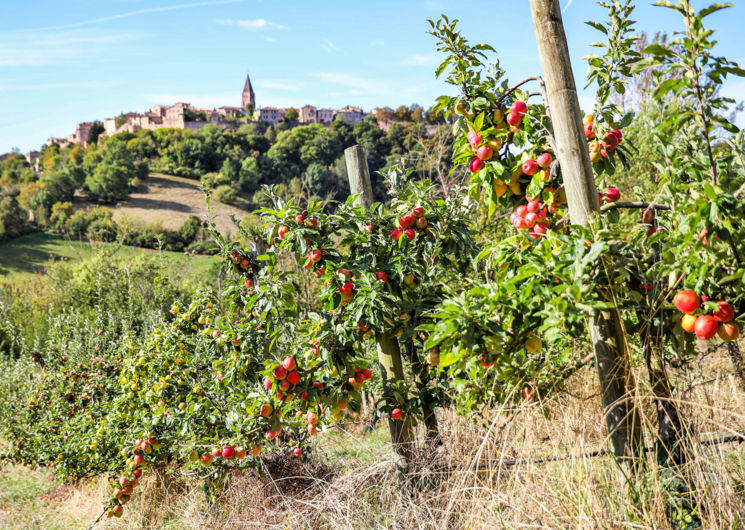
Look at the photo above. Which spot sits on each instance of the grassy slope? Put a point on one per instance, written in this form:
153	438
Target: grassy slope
31	253
170	200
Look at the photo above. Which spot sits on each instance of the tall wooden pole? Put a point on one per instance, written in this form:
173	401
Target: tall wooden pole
606	330
389	352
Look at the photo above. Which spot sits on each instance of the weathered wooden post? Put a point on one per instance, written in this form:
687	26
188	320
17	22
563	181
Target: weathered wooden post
389	352
606	329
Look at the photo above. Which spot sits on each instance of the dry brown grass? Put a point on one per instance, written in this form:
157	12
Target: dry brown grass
170	200
463	483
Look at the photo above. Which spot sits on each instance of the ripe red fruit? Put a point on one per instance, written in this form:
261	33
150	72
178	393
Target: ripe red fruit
216	451
284	384
544	160
686	301
270	434
612	194
299	219
297	451
611	141
484	152
369	228
514	120
589	130
532	207
268	383
312	417
706	327
725	313
396	414
530	167
346	273
283	231
519	108
347	288
266	410
366	374
315	256
652	231
288	363
473	138
138	459
410	234
396	233
293	378
418	211
729	331
421	223
406	221
228	452
475	165
648	216
137	473
618	135
381	276
313	222
279	373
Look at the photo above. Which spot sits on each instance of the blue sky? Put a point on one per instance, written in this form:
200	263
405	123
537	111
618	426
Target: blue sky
79	60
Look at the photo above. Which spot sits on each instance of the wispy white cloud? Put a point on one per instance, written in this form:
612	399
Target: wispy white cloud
567	6
357	85
137	12
35	49
277	85
259	23
421	60
58	86
270	39
330	47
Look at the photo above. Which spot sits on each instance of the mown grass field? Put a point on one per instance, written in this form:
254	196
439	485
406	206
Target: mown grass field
31	254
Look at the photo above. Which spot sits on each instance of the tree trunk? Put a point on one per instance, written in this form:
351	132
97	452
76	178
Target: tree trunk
606	330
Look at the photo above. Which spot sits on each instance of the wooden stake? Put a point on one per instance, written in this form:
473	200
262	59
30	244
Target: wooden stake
606	329
389	352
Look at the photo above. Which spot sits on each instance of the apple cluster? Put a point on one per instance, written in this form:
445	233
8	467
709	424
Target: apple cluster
126	483
705	326
408	223
603	148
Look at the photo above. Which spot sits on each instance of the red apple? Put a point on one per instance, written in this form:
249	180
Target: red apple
270	434
611	141
725	313
293	378
686	301
279	373
530	167
288	363
347	288
544	160
421	223
514	120
418	211
297	451
473	138
520	108
475	165
268	384
396	233
381	276
396	414
706	327
612	194
729	331
283	231
484	152
315	256
648	216
406	221
410	234
228	452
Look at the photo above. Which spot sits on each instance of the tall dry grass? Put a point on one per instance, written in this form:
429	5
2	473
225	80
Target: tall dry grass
464	483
